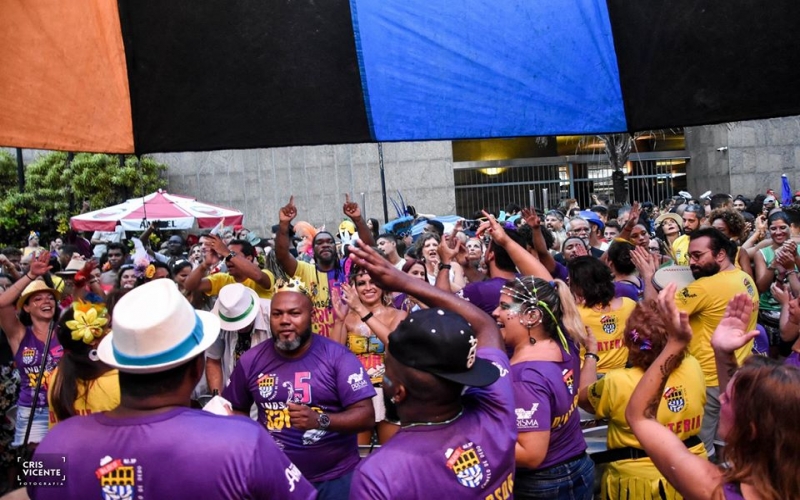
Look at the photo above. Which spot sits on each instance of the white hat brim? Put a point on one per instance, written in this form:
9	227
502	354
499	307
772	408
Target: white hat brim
211	325
238	325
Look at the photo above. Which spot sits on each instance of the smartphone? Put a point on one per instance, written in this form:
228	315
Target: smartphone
470	224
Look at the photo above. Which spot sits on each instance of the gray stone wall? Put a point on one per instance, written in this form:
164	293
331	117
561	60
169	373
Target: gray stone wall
757	153
259	182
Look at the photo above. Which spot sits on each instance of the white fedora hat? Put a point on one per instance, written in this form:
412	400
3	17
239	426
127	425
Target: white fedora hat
72	268
237	306
154	328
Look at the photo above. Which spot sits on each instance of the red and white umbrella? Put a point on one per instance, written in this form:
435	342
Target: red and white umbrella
170	210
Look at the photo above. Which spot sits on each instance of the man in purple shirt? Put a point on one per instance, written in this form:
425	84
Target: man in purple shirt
452	443
312	393
486	294
153	445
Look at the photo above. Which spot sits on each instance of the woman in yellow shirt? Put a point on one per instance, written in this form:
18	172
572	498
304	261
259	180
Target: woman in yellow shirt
592	284
630	473
82	384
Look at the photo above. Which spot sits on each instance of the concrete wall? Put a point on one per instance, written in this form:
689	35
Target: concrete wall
259	182
758	152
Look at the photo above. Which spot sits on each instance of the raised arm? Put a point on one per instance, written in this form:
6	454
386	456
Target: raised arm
525	262
248	268
633	219
644	263
352	210
9	322
285	259
731	334
545	257
692	476
391	279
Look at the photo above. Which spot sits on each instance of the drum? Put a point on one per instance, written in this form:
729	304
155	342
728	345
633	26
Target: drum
680	275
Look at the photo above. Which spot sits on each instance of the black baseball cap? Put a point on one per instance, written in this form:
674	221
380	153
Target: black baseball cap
441	342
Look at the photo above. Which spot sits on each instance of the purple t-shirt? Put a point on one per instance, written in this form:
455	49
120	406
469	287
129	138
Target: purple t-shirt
29	360
484	294
731	491
327	377
471	457
627	289
561	272
181	453
793	359
546	397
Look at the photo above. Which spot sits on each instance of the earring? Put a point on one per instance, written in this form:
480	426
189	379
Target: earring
531	340
393	400
93	355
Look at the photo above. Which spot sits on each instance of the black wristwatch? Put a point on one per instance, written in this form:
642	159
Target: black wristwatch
323	420
230	256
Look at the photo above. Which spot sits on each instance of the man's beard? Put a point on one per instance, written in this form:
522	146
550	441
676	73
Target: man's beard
293	345
325	260
704	271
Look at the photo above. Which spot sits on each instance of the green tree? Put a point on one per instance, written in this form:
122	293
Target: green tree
55	190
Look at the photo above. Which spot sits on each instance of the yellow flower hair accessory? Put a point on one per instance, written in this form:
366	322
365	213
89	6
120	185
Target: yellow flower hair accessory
150	271
89	323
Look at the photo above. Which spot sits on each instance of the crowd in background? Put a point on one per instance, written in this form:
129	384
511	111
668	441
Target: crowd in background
632	316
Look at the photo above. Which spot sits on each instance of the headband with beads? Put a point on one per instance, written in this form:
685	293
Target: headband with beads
531	298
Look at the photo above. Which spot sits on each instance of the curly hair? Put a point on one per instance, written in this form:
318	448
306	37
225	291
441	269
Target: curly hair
591	280
733	220
648	325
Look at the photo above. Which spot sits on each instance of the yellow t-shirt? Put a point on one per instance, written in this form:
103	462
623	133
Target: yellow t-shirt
219	280
705	300
95	396
680	248
609	329
680	410
317	283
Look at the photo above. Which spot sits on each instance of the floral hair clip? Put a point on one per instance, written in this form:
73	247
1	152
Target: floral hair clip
89	323
639	340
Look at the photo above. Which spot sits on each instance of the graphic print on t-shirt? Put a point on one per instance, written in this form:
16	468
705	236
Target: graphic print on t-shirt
675	399
119	478
468	462
267	384
609	322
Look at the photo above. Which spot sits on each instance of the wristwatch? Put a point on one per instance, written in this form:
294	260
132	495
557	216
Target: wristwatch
230	256
323	420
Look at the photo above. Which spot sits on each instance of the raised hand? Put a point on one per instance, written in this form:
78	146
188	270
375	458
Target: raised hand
40	264
496	230
781	295
288	212
448	249
677	322
351	208
643	261
531	218
352	301
340	306
217	245
731	333
633	218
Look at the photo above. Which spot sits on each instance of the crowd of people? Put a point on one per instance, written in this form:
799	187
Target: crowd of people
460	362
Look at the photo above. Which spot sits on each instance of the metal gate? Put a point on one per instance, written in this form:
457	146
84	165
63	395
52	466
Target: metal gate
546	182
